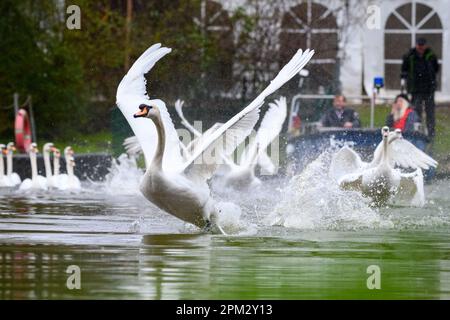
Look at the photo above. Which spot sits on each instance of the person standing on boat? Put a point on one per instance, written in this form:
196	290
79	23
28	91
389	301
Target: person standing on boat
341	116
419	69
402	115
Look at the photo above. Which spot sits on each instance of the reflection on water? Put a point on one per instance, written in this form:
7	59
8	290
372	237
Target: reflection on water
126	248
326	265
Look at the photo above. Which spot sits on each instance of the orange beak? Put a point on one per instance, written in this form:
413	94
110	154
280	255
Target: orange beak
143	111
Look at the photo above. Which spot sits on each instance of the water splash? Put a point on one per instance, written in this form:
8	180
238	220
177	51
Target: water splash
312	200
124	177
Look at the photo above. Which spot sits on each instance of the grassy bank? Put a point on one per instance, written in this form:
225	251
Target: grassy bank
83	143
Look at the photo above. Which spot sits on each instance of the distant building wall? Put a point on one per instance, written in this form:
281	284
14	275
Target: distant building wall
364	53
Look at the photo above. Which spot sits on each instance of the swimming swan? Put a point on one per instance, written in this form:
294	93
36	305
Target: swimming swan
69	181
12	176
37	181
4	180
380	179
179	186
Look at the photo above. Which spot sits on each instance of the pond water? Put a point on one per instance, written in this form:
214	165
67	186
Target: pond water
295	239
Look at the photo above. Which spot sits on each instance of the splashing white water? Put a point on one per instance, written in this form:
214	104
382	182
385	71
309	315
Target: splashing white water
124	177
312	200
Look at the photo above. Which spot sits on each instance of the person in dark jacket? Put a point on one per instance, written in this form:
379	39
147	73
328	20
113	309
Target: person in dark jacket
419	69
340	115
402	115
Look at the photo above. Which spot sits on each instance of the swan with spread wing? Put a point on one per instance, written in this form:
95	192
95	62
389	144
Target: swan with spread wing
381	179
241	175
176	185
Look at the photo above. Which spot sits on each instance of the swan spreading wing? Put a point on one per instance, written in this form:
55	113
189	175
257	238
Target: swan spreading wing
269	129
132	146
132	93
179	108
241	125
410	190
346	163
404	154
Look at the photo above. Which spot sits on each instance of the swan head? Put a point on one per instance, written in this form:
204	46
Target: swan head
10	147
68	154
33	148
385	132
49	147
147	110
56	153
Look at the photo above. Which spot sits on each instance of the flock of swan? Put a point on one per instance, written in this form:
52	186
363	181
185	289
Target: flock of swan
177	175
52	180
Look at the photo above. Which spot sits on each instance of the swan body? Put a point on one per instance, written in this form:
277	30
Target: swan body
380	180
37	182
68	181
176	185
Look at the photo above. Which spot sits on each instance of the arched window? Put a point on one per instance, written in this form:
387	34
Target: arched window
312	25
215	23
405	24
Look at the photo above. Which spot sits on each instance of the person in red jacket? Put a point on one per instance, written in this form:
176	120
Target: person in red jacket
402	115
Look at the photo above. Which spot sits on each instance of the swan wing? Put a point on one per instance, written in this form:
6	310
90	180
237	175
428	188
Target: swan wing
346	161
131	93
404	154
411	190
351	181
269	129
179	109
241	125
132	145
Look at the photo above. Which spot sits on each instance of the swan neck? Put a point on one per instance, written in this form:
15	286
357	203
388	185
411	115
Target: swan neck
33	162
384	157
55	166
48	167
69	168
2	168
9	163
158	158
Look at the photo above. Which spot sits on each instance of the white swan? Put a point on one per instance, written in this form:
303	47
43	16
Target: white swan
68	181
176	186
4	180
379	179
46	150
56	167
36	181
242	175
13	177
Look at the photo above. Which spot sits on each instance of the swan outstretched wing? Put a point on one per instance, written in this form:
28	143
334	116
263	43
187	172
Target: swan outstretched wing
404	154
411	191
345	162
132	145
131	93
241	125
269	129
179	109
